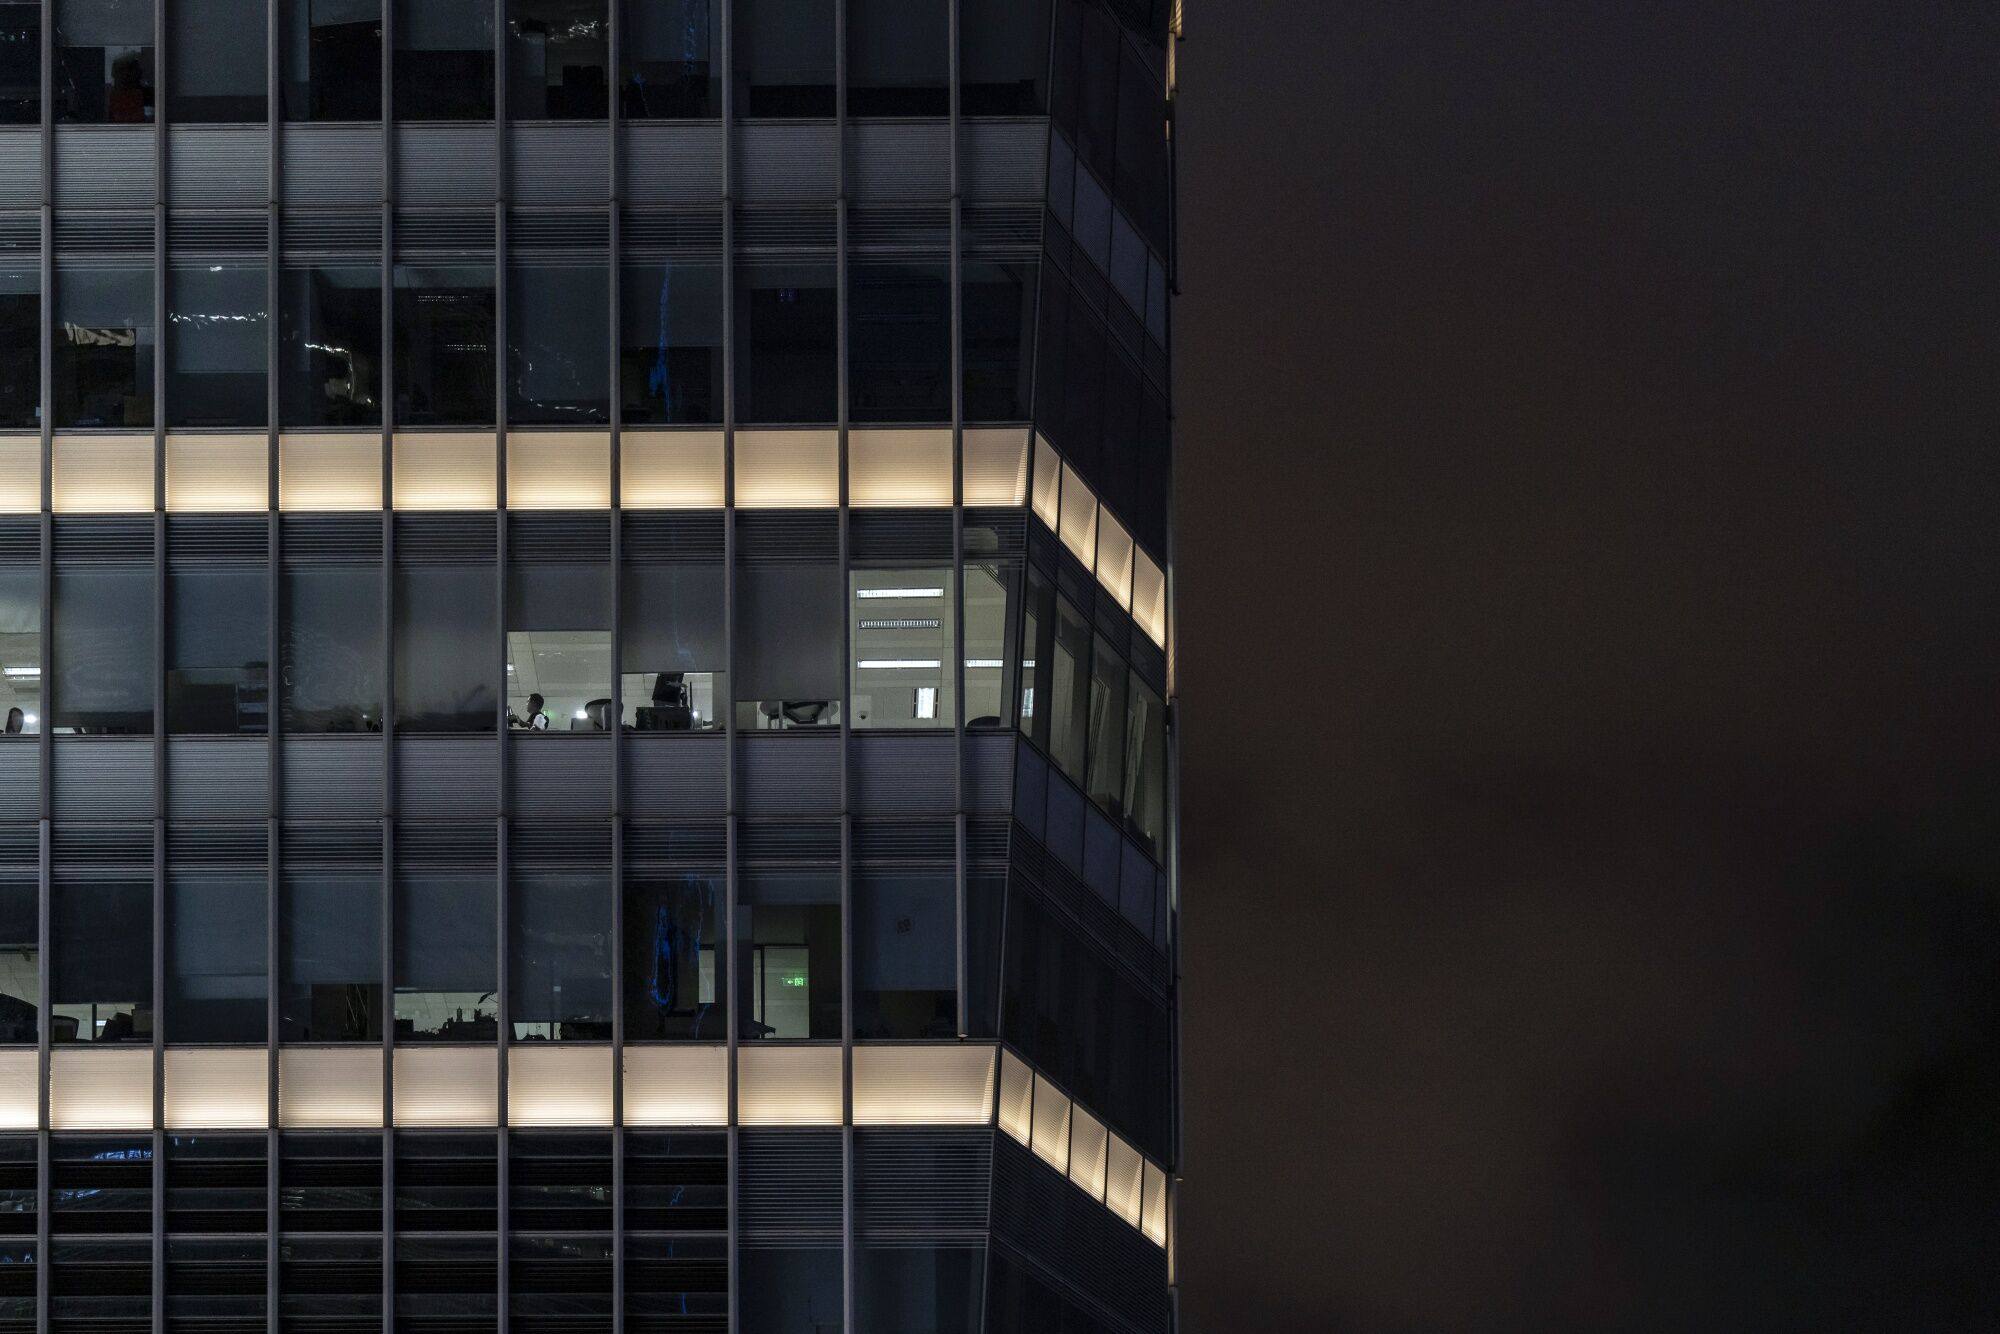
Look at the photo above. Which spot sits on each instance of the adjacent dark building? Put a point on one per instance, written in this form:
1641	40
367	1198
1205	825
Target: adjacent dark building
584	621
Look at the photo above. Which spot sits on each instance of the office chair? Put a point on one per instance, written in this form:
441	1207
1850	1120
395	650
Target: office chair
597	715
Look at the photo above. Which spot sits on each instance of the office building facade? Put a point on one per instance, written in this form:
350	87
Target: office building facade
584	628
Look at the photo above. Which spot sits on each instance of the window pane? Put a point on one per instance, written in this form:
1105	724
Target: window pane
332	649
1145	800
559	647
447	969
1038	627
104	346
901	640
215	957
673	942
905	954
444	60
331	59
557	54
20	650
20	329
787	331
788	939
673	646
217	50
1003	57
218	650
1069	690
559	980
104	61
444	345
990	593
920	1289
215	344
20	945
1107	728
103	650
671	343
788	646
998	315
20	62
784	57
331	955
672	54
898	57
330	346
899	342
790	1291
102	985
558	324
445	641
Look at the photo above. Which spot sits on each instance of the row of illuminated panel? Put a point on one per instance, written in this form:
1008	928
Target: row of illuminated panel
557	57
1062	1133
1067	506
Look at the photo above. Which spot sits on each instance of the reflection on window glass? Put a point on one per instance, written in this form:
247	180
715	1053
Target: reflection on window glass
330	345
331	954
898	57
444	345
445	634
444	60
557	361
20	942
20	337
671	51
899	342
901	636
1003	57
998	322
104	61
331	59
217	51
672	646
788	946
101	985
103	352
1145	800
447	968
1106	777
784	53
215	344
1037	655
670	343
215	956
905	954
218	654
672	945
1069	690
331	648
787	646
559	931
20	650
990	592
102	657
557	54
787	333
20	62
559	647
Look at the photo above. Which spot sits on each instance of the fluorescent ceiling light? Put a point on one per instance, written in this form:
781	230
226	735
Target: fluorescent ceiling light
984	662
24	671
864	593
896	664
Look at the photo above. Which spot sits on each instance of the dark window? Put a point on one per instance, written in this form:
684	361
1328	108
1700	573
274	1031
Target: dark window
102	657
787	333
447	962
1069	690
905	954
558	335
20	62
789	1291
102	983
1003	57
672	55
998	315
991	592
559	646
20	336
1106	771
331	648
331	59
788	946
444	345
215	344
218	648
331	952
671	343
673	943
330	346
673	646
216	48
1145	799
899	342
788	646
444	60
104	61
784	53
899	57
1097	86
446	642
20	936
920	1289
104	345
215	956
559	979
20	650
1141	179
557	54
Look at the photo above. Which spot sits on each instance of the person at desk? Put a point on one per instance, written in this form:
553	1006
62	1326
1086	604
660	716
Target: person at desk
536	721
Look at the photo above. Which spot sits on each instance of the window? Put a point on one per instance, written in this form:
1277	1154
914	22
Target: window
672	56
789	1291
104	61
444	60
922	1289
787	331
1069	690
991	590
559	979
784	53
1037	661
444	345
330	59
788	942
20	324
102	656
905	954
103	348
673	647
788	646
330	950
673	940
215	343
557	55
559	646
218	648
331	648
899	342
330	345
899	57
901	640
998	322
447	964
1003	57
102	984
20	62
20	943
217	51
670	343
215	956
20	650
1106	774
558	322
1145	798
445	639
